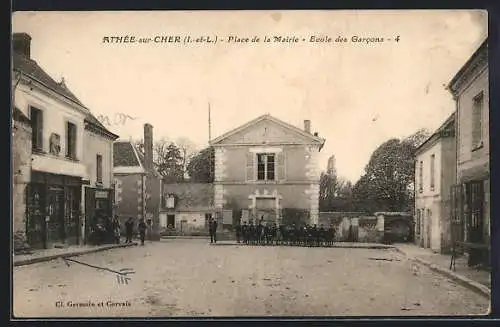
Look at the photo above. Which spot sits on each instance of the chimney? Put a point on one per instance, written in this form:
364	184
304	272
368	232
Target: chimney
307	126
21	43
148	146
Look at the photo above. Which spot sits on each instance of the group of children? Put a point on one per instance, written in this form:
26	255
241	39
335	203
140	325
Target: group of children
272	234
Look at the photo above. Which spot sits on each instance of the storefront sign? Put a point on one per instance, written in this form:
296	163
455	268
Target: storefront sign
101	195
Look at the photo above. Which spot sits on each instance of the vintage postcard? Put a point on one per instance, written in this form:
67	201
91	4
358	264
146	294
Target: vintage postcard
250	163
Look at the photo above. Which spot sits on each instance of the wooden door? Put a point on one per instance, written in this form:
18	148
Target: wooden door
35	216
457	227
428	229
475	213
55	210
89	212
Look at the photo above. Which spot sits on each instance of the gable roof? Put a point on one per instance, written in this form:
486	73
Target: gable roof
268	117
30	68
125	156
128	160
478	58
98	126
191	196
142	160
449	122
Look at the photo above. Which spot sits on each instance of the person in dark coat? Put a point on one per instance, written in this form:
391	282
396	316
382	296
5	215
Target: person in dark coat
251	233
259	230
116	229
244	232
211	230
129	230
142	231
238	232
214	230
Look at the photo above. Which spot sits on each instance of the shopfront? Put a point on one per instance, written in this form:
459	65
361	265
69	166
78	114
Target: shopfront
53	209
98	209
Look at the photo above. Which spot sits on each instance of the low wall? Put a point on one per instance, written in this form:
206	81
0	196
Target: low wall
354	226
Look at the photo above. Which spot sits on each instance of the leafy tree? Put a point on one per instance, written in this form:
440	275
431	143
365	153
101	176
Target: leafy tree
170	165
201	166
388	180
335	193
167	159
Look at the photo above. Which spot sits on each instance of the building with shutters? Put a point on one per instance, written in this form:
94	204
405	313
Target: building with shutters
137	183
267	169
471	194
58	167
98	189
435	171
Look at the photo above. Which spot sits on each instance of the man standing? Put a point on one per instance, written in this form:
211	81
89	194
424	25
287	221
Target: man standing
214	224
142	230
213	230
116	229
129	230
238	232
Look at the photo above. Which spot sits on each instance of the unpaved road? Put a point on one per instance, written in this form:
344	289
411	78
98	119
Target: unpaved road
190	277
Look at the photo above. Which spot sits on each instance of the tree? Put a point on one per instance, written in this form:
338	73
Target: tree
167	159
170	164
187	149
334	193
389	175
201	166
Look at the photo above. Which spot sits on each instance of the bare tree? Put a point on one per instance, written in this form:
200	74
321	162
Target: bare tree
187	147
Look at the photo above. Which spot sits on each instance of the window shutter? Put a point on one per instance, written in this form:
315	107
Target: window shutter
280	166
250	166
39	131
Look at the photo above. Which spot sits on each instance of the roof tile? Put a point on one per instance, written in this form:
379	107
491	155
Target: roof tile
124	155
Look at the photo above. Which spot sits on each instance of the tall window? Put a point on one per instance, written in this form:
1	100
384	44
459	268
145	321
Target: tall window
265	167
99	168
421	177
71	140
433	171
36	116
477	120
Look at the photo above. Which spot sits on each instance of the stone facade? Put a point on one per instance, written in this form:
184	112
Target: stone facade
137	186
294	182
21	171
129	198
193	205
434	176
470	89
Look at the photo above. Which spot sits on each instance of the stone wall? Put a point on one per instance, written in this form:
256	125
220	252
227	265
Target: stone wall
354	226
21	171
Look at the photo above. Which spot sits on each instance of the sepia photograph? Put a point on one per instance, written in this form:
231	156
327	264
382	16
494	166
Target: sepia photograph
295	163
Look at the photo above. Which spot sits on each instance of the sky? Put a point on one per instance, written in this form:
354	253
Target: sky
357	95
